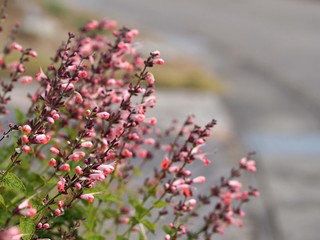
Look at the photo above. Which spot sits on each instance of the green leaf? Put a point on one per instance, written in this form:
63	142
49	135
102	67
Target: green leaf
27	227
160	204
140	210
137	172
148	225
12	182
2	202
121	238
141	237
20	116
109	198
152	191
94	237
168	230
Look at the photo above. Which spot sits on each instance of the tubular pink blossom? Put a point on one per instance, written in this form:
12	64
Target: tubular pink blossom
153	121
234	184
88	197
40	76
251	166
158	61
67	86
50	120
79	170
126	153
53	162
54	150
107	169
26	129
61	184
65	167
28	212
97	176
200	179
104	115
139	118
174	169
16	46
25	79
42	138
46	225
93	24
155	54
78	186
33	53
26	148
78	98
25	139
150	78
191	202
82	74
87	144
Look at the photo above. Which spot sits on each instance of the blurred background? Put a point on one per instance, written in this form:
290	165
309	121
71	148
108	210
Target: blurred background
253	65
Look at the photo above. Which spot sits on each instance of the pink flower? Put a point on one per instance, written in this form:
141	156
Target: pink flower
53	162
67	86
93	24
150	78
191	202
78	98
25	79
78	186
123	220
65	167
79	170
26	129
126	153
104	115
200	179
33	53
167	237
26	148
82	74
88	197
153	121
155	54
251	166
54	150
158	61
28	212
46	225
87	144
149	141
25	139
12	233
138	118
97	176
61	185
50	120
16	46
42	138
106	169
143	153
40	76
57	212
235	185
165	163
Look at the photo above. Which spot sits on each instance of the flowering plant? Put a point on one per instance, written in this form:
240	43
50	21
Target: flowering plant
77	164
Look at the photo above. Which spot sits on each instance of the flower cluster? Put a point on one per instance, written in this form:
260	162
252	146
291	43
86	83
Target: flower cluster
87	136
